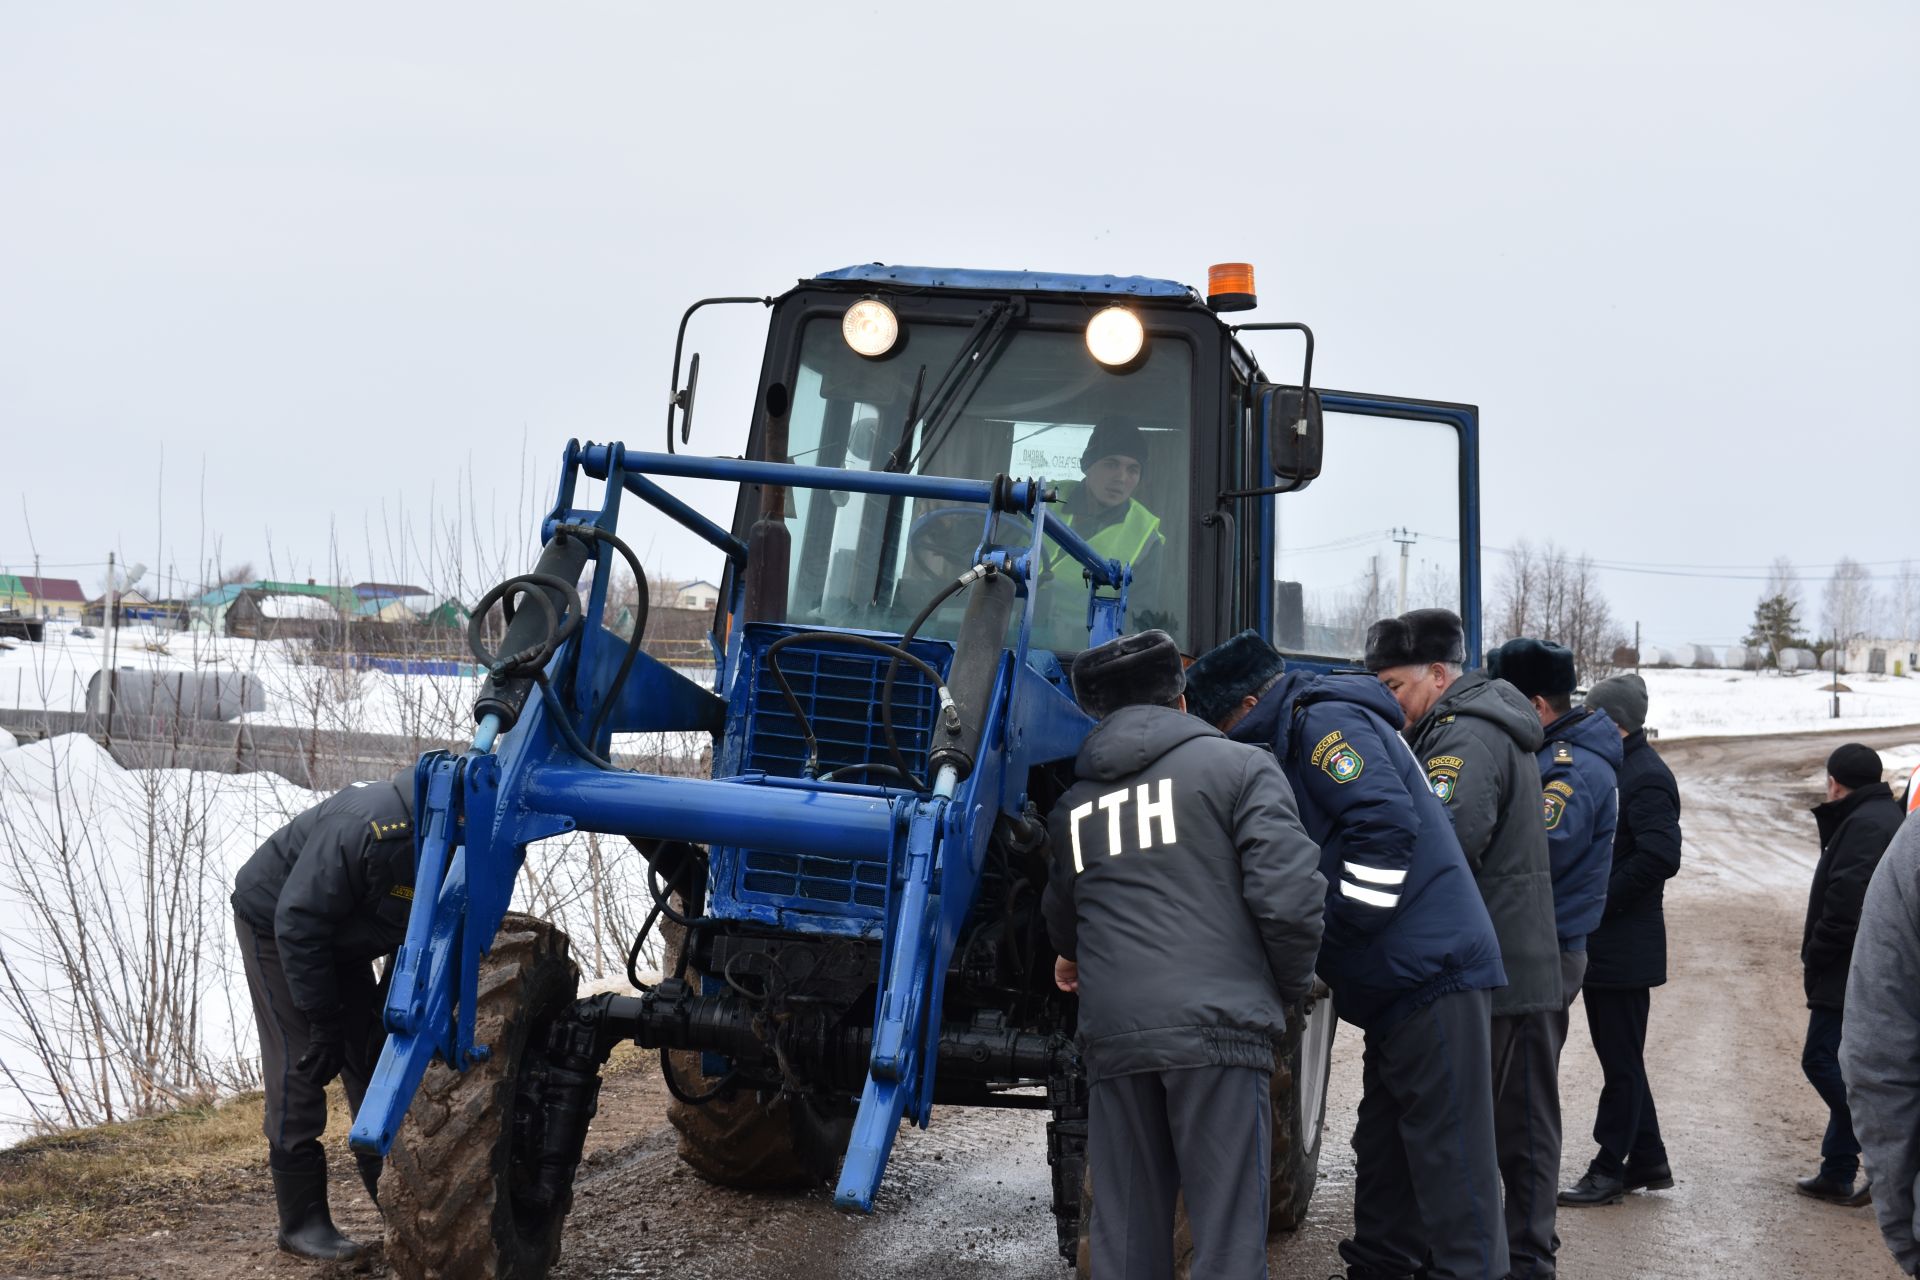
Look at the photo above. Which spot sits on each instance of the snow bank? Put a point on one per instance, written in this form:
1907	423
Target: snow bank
118	859
121	857
1705	704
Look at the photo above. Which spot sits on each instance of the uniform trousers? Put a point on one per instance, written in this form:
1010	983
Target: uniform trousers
296	1113
1820	1059
1426	1174
1526	1123
1625	1125
1203	1130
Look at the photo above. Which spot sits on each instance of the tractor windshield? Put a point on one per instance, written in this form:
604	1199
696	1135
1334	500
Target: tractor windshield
1114	441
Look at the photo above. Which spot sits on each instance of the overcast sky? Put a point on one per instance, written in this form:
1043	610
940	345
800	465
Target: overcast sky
268	278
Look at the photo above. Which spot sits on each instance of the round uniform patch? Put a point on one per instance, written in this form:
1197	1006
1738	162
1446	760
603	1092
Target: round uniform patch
1442	782
1343	763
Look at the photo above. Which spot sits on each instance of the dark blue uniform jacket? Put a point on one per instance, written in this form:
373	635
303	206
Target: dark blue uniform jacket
1405	923
1580	793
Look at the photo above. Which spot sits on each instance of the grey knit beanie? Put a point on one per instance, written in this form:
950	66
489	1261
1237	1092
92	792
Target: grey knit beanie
1623	698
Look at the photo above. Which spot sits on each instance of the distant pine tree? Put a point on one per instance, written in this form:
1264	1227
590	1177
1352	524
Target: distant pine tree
1776	626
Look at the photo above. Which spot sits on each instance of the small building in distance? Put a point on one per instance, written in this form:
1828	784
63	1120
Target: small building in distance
696	595
34	597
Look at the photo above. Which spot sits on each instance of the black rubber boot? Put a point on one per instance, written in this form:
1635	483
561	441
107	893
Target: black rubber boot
306	1228
370	1167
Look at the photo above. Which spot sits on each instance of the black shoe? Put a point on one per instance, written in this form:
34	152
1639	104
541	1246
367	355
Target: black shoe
1655	1176
1822	1186
306	1228
1595	1188
370	1167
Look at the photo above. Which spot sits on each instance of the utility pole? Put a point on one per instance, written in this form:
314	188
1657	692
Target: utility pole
1836	678
106	642
1636	648
1405	540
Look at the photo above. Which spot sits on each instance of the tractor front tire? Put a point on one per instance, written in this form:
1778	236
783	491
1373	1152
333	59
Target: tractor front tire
448	1190
738	1139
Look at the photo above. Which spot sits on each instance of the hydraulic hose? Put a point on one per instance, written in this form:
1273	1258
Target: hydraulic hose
534	636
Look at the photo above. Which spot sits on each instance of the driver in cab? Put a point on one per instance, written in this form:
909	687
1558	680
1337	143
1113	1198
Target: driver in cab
1101	508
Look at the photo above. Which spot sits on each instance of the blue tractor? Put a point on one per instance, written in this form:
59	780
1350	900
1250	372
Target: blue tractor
933	517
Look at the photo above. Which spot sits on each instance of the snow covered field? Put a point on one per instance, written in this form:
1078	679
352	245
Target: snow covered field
1718	704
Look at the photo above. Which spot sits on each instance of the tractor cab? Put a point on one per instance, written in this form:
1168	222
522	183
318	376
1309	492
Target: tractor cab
1233	500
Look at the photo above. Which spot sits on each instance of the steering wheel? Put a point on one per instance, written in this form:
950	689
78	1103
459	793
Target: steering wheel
939	539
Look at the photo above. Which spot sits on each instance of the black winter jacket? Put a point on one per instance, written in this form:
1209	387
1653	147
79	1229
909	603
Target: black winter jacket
1854	831
334	886
1405	923
1185	888
1629	949
1477	746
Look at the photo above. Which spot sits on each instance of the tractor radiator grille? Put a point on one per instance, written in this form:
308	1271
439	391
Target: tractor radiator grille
828	882
840	687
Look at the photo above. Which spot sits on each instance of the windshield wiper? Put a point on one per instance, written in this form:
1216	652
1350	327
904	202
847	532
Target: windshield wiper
950	395
982	339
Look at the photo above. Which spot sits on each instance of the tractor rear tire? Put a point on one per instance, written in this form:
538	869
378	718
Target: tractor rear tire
448	1191
1304	1062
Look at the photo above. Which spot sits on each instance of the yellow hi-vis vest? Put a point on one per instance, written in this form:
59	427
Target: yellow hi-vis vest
1125	540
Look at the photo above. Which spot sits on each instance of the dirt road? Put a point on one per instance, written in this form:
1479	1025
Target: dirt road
968	1198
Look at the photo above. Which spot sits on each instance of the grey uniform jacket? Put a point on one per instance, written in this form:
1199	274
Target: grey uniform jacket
1477	746
1189	894
1880	1040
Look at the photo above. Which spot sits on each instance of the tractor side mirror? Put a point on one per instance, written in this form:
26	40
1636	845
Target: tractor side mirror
1296	433
683	401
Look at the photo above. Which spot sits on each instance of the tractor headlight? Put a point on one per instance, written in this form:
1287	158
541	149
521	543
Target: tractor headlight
870	327
1115	336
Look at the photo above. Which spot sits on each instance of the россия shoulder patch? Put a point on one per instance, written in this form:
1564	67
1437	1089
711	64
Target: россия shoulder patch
1443	776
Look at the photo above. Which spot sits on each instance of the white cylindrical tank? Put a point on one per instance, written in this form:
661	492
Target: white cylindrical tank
1704	656
1796	660
1737	658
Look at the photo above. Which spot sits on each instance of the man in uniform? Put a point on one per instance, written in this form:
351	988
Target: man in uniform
1475	738
1856	823
1579	768
324	897
1101	508
1185	907
1409	953
1627	957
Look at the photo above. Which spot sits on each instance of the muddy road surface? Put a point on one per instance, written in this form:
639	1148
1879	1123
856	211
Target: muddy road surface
967	1199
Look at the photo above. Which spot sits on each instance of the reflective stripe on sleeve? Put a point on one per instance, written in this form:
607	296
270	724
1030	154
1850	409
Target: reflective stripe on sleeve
1372	897
1376	875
